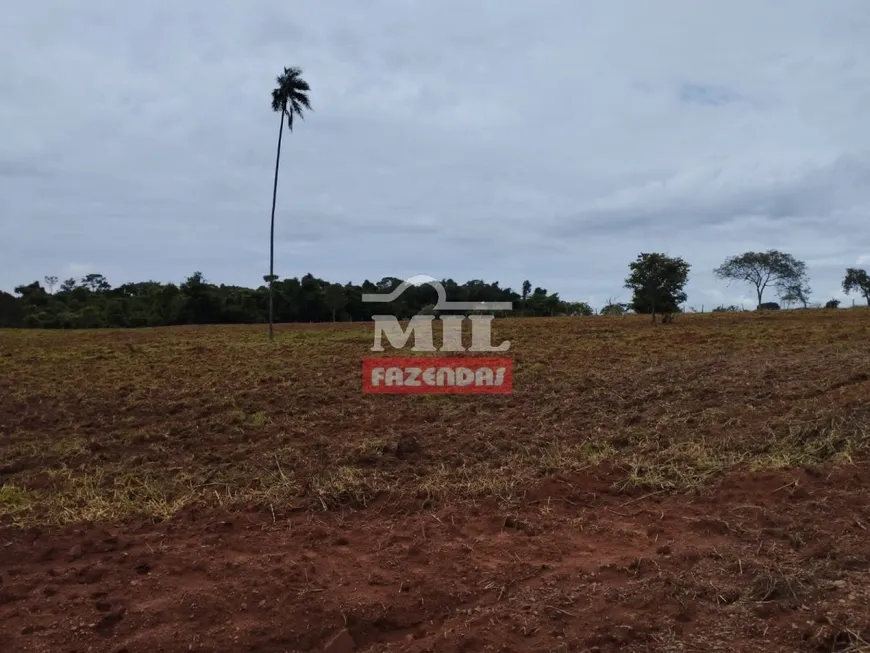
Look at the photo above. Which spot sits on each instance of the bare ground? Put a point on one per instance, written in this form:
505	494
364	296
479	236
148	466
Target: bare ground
699	486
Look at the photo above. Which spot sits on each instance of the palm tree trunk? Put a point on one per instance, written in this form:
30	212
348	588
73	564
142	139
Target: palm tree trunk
272	231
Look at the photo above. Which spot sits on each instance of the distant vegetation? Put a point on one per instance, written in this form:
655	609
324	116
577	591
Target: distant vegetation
655	280
91	302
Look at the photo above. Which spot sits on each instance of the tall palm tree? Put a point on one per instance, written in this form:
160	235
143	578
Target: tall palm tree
288	98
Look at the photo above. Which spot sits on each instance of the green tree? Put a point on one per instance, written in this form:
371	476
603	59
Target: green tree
578	308
537	301
30	291
859	280
797	291
288	98
200	304
763	269
96	283
657	281
527	288
51	282
335	298
11	313
613	308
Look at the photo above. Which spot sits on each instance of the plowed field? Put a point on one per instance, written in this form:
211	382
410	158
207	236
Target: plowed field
695	486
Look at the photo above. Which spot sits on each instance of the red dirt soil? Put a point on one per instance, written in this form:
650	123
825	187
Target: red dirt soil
770	562
620	499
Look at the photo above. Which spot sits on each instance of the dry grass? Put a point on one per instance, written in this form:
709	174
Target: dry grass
106	424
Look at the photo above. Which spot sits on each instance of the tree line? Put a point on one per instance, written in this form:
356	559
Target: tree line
655	280
91	302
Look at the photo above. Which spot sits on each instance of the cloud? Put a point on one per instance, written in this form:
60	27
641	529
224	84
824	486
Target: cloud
706	95
720	195
552	141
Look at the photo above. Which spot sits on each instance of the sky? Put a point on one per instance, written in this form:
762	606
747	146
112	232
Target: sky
552	140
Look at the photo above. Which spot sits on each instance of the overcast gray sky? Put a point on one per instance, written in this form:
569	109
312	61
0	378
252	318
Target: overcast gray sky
552	140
